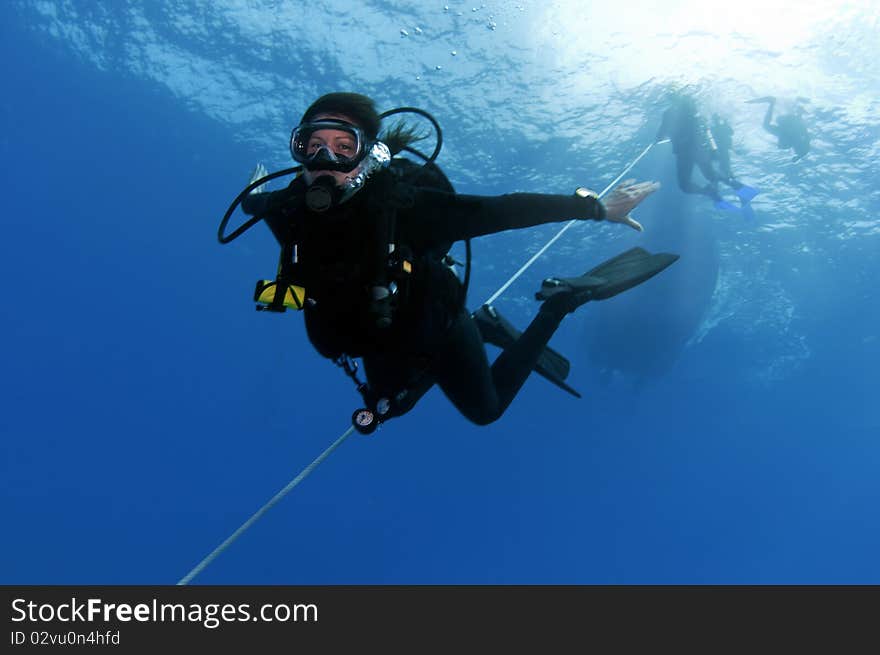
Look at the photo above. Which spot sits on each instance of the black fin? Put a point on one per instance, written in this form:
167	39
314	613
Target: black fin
626	270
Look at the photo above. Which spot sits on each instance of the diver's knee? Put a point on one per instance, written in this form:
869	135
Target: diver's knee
482	416
483	419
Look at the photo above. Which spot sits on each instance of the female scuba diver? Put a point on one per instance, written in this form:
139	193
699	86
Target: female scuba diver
364	238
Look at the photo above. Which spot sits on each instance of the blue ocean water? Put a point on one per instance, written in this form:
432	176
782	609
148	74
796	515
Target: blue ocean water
728	431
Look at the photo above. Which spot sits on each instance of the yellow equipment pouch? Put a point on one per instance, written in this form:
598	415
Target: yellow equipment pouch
265	293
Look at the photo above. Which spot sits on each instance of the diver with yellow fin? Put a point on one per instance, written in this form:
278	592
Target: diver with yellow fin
364	237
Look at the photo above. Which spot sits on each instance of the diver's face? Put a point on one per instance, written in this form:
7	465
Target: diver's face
339	141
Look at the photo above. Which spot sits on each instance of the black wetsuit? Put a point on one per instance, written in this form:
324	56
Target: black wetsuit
432	338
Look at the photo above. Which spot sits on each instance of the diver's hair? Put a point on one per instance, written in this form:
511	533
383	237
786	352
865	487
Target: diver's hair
360	108
399	136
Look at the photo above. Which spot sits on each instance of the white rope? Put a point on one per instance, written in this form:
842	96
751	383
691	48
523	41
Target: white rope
565	227
265	508
307	470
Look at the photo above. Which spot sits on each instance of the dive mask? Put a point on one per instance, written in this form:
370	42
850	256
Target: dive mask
328	145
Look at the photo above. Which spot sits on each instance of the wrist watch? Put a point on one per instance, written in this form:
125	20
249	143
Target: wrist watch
584	192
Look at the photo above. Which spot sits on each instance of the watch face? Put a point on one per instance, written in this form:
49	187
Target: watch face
584	192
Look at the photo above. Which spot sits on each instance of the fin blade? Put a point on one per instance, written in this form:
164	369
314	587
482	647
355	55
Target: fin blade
559	383
553	364
611	277
723	205
747	193
629	269
554	368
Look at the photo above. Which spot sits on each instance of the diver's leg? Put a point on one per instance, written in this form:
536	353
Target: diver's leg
462	372
768	118
724	170
685	166
480	392
712	177
514	364
685	170
483	393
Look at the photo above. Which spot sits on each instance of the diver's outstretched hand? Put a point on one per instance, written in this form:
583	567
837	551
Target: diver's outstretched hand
624	198
259	171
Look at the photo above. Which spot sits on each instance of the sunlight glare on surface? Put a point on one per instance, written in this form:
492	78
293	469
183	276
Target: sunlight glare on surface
680	39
